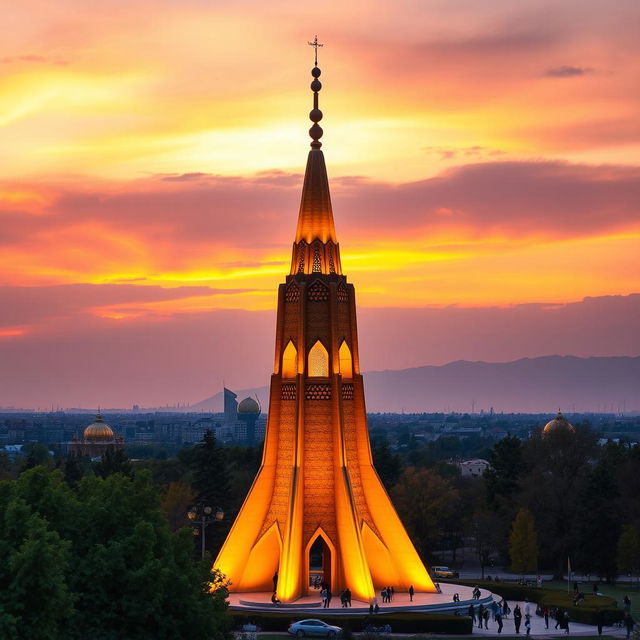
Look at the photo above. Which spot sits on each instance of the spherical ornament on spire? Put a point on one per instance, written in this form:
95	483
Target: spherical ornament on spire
315	115
316	85
315	72
316	131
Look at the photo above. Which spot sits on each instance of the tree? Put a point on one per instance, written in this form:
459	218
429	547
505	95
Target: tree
208	464
427	505
176	501
628	550
386	463
502	476
523	543
113	461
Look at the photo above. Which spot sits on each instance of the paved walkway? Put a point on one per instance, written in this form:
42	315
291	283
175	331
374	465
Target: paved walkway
538	629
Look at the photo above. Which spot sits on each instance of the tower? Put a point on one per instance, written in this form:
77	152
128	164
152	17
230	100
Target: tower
317	494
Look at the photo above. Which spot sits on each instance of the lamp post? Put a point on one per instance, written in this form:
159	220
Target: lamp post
203	514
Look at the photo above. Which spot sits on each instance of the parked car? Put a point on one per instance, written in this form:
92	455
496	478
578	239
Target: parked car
444	572
315	628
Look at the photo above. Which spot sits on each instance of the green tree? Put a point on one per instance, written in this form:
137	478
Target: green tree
427	505
628	550
113	461
523	543
176	501
502	477
36	454
386	463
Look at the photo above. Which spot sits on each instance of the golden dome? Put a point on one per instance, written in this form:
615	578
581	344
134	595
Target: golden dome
248	405
559	423
99	431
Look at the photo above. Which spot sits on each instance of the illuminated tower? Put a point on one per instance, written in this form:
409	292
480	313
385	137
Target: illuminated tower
317	494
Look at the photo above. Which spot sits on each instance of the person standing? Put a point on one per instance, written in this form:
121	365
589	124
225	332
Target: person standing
499	621
329	596
517	617
348	593
628	623
480	615
599	621
527	625
485	615
323	596
472	614
545	613
392	592
566	622
411	592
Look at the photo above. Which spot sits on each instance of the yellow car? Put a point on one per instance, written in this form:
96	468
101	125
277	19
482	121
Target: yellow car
443	572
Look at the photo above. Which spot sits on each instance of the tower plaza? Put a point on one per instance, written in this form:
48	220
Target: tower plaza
317	499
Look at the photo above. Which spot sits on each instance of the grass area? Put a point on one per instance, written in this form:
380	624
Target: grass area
617	593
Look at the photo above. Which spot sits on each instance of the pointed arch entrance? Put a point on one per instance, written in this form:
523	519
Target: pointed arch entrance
320	559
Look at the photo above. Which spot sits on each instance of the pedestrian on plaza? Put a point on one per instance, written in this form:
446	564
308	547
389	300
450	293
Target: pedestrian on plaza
472	614
480	615
383	593
371	608
559	616
343	598
348	593
411	592
393	591
545	613
485	615
517	617
376	608
499	621
323	597
628	624
527	608
527	625
626	601
599	621
565	621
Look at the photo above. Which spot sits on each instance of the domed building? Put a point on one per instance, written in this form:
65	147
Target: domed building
96	439
559	423
249	412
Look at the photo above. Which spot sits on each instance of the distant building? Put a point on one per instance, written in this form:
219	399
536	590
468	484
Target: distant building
473	468
248	413
96	439
230	406
559	423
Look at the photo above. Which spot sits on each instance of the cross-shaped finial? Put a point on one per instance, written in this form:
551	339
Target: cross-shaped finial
315	44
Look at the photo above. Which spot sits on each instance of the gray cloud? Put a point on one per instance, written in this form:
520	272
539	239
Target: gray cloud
567	71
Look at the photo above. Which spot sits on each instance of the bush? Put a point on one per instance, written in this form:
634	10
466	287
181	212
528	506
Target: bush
400	622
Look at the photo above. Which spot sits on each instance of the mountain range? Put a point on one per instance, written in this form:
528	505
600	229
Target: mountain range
527	385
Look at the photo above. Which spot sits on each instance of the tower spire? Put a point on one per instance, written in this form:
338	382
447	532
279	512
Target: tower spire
316	246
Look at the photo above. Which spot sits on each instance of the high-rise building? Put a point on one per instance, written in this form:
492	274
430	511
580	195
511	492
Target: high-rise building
317	493
230	406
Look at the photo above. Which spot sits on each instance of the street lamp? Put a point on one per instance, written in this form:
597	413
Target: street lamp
203	515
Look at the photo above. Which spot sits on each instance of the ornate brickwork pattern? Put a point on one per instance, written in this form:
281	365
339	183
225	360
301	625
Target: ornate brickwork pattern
317	263
343	293
318	292
318	392
318	475
301	253
292	294
347	391
332	264
288	391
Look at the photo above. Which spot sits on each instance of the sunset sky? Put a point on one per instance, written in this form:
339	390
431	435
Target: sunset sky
484	167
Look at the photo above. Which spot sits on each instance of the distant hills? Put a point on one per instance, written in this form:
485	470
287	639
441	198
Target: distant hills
528	385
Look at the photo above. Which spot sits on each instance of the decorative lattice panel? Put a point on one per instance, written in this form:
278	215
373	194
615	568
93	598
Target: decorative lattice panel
347	391
317	264
343	293
318	392
318	292
288	391
332	264
292	294
301	253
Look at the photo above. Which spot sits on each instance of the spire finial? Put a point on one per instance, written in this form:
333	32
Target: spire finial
315	114
315	44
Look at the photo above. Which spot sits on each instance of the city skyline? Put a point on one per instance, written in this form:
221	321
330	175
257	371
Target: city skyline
483	167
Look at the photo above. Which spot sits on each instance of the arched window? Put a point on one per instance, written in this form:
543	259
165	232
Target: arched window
318	361
290	361
346	363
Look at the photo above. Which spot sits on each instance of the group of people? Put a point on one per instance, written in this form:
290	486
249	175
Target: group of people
387	594
345	598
